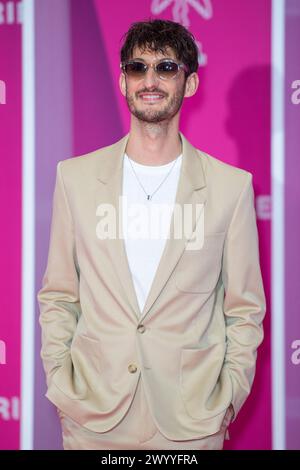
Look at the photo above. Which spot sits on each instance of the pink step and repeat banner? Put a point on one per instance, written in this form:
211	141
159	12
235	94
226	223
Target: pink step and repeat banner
292	224
11	221
229	118
80	108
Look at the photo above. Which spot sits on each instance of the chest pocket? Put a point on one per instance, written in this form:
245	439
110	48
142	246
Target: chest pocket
198	270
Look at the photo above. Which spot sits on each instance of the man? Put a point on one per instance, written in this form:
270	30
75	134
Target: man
150	342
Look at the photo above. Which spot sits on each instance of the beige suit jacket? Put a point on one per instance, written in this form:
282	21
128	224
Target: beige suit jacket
195	342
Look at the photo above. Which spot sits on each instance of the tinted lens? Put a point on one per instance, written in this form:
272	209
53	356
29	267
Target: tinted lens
167	69
135	69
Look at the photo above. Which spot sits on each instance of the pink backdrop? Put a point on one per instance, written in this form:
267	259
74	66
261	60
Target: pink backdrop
10	233
229	118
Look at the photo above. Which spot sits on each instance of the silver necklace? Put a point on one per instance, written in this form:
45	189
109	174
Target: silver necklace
149	196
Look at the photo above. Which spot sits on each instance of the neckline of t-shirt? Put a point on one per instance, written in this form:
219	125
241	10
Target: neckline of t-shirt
152	168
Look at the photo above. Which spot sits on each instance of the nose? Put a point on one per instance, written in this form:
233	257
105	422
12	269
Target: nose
151	78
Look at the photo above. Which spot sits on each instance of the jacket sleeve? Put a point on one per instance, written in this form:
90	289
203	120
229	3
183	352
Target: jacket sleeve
58	298
244	301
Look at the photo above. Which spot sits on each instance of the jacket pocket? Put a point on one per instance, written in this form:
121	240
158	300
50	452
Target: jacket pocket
80	369
198	270
205	386
87	351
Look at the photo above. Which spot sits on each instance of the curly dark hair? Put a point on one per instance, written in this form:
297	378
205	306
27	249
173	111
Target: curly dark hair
157	35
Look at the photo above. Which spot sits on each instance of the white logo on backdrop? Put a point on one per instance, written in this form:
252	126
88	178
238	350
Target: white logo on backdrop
10	13
2	92
263	207
9	408
2	352
180	13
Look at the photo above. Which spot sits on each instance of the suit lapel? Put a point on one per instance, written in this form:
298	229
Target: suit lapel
191	190
109	190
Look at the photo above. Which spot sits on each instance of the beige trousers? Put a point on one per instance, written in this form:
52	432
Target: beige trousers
136	430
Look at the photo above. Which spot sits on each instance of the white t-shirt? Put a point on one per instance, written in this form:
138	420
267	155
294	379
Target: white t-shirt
145	222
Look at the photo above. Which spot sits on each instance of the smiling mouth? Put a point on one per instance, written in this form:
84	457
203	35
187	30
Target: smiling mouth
151	97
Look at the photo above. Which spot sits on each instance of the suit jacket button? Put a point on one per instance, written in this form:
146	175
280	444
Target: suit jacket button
141	328
132	368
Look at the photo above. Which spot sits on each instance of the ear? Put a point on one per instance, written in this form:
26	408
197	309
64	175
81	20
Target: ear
122	83
191	85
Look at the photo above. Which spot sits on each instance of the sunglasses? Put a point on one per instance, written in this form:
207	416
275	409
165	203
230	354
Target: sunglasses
165	69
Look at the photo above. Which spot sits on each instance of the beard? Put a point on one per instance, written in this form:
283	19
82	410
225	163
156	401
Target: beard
154	113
